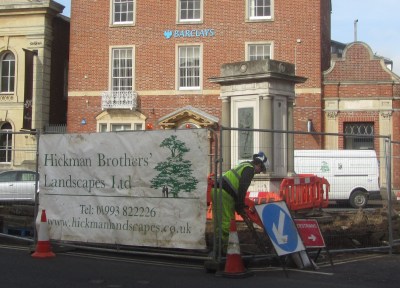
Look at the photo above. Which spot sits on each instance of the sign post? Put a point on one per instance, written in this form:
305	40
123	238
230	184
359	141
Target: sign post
311	235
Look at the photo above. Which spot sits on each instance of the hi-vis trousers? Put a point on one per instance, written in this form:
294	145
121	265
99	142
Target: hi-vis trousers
227	213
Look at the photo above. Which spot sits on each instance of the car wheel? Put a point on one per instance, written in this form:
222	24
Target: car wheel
358	199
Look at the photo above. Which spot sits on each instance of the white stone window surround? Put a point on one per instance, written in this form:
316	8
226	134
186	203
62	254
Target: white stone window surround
258	46
122	12
122	72
189	67
259	10
8	69
189	11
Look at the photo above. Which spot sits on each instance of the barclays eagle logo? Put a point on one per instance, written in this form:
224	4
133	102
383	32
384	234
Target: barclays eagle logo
167	34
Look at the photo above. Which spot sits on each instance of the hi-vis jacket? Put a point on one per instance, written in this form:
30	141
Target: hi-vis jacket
233	176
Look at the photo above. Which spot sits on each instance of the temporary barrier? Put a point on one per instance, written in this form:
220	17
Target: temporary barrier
251	212
305	191
254	197
14	212
263	197
210	185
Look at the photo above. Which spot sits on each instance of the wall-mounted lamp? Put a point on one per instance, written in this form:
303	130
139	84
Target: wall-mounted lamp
83	121
309	125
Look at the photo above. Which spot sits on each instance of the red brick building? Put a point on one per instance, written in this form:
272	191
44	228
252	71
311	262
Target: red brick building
146	64
362	96
171	48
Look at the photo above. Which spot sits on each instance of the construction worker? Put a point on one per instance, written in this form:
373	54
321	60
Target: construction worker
235	183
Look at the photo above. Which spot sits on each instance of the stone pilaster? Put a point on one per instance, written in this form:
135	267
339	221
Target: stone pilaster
266	138
226	135
290	138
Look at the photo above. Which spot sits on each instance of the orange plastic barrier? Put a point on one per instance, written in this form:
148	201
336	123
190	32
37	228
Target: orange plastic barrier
263	197
210	184
252	198
305	191
251	212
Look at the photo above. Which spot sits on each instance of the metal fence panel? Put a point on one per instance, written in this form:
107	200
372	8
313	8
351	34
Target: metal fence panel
395	213
18	183
358	213
344	228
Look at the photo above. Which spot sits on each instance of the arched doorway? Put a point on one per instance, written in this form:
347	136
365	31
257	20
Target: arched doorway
5	142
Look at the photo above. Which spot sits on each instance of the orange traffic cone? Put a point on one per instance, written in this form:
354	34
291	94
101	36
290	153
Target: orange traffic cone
234	267
43	248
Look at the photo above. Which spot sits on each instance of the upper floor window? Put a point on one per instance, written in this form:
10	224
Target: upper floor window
258	52
189	67
259	9
361	135
7	64
190	10
123	11
122	69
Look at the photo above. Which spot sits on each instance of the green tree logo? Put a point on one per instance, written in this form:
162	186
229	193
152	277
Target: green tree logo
325	167
175	174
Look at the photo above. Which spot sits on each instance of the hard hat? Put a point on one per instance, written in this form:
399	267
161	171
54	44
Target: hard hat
260	157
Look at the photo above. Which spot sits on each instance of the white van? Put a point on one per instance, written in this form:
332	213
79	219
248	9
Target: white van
353	175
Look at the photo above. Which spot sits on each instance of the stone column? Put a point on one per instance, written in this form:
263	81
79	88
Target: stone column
226	135
290	138
266	122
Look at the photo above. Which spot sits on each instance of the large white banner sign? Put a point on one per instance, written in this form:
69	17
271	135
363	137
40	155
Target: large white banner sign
141	188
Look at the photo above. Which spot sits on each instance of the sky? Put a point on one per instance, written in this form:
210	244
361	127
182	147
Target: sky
378	25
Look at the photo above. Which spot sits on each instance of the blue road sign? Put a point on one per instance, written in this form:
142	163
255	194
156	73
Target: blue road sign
280	227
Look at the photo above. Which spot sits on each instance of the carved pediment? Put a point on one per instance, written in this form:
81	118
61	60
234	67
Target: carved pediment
188	115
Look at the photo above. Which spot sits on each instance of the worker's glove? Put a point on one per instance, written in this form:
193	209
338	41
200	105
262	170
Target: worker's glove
239	207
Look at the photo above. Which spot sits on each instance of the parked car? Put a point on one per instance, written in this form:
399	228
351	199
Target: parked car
18	185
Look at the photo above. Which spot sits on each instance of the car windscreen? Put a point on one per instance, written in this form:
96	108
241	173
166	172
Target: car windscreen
10	176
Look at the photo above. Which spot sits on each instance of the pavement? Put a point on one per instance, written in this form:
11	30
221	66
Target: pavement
79	268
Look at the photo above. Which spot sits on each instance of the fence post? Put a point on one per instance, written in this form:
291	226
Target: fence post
36	208
388	159
218	200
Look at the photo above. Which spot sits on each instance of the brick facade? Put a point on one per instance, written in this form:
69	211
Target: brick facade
155	57
362	78
299	38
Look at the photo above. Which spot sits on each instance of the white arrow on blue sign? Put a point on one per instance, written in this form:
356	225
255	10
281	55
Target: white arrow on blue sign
280	227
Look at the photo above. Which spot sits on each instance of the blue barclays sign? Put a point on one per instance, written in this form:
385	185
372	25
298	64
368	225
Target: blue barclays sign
189	33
